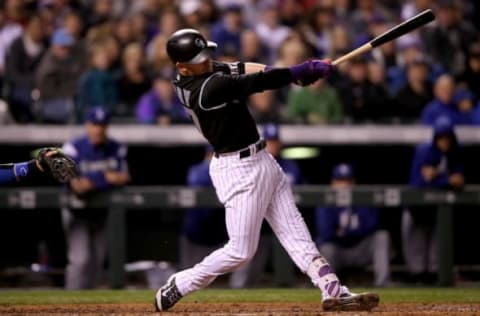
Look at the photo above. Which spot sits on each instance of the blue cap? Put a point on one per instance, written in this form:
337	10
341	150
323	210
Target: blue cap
463	95
62	38
271	132
342	171
98	115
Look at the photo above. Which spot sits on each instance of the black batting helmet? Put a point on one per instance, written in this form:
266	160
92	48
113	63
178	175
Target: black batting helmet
189	46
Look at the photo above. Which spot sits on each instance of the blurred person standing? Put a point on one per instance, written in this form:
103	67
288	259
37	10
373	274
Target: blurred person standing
97	85
133	81
350	236
57	79
316	104
203	229
435	164
465	102
415	94
251	47
22	60
250	273
161	104
102	166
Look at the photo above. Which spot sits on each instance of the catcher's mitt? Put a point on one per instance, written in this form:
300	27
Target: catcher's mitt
60	166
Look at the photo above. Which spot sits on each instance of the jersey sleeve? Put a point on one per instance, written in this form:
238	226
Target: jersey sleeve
218	89
235	68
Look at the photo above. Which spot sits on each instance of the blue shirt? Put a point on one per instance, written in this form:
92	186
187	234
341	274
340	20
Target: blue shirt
203	226
227	41
428	154
94	161
345	226
292	171
436	109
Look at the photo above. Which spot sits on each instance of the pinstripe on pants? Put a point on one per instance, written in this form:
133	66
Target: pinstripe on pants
251	189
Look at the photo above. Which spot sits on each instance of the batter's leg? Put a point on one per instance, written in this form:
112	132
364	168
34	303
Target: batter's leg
292	232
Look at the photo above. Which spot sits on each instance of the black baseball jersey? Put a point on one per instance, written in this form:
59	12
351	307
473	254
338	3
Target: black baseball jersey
216	101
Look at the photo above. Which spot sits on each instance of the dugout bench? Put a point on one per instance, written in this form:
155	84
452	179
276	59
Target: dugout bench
171	197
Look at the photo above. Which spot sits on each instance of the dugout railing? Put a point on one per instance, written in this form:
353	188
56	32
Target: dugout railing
175	197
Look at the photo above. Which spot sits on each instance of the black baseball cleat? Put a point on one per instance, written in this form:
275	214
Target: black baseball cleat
348	301
167	296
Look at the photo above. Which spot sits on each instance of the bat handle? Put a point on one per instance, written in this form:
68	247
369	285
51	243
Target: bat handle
354	53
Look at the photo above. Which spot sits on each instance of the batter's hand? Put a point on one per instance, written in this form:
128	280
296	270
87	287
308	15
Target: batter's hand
310	71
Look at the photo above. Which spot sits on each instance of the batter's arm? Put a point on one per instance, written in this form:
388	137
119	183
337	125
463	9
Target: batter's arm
254	67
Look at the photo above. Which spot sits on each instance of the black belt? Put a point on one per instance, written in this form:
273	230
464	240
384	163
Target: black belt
247	152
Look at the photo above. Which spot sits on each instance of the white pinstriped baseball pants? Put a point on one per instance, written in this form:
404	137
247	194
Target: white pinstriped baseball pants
251	189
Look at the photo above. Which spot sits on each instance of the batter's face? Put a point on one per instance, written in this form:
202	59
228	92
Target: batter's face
195	69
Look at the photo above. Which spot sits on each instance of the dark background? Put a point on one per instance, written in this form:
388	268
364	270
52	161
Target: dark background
152	234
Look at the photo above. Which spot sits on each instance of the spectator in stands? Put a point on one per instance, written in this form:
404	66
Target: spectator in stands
264	107
133	82
101	12
472	74
157	55
436	164
139	28
57	79
226	33
103	166
9	31
416	94
190	12
73	24
315	104
465	102
377	78
291	12
203	229
250	274
270	31
449	40
97	85
318	31
251	47
443	103
161	104
122	31
22	61
351	236
361	100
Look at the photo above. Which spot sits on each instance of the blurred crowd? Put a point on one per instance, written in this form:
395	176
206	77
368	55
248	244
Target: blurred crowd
59	58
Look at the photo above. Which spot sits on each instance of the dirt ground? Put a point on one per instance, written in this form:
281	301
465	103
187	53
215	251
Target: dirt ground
241	309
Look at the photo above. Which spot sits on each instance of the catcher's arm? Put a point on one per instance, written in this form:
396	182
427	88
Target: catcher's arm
13	172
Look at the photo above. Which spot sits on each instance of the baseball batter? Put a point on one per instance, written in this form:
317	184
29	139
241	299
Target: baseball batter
247	179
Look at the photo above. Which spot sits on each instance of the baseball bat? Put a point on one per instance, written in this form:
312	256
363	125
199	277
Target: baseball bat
391	34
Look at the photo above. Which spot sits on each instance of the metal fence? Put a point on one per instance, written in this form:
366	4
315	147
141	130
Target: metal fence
173	197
